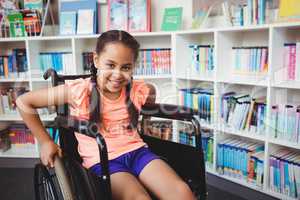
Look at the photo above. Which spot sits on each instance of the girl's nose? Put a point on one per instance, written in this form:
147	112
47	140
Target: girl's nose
117	73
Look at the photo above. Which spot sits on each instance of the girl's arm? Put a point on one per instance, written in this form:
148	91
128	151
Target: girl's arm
27	105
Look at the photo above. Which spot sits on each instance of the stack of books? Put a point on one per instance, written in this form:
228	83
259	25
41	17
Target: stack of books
154	62
13	64
285	122
20	135
186	136
53	133
8	98
252	12
241	112
202	58
62	62
291	64
87	61
285	172
200	99
242	160
250	60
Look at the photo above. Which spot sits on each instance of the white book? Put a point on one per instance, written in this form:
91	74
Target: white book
85	21
5	102
72	67
68	64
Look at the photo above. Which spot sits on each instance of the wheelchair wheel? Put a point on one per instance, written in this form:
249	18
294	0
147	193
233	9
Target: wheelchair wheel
52	184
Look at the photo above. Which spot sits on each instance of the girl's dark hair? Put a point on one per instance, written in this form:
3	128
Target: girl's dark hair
113	36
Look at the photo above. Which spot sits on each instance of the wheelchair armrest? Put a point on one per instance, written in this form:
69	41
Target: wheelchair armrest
169	111
175	112
56	78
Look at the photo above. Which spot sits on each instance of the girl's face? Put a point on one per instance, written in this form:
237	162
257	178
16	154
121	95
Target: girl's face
116	63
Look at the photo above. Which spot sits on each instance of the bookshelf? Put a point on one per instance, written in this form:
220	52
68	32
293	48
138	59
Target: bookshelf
220	79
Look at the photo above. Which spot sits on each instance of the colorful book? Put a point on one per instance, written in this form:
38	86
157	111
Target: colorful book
32	22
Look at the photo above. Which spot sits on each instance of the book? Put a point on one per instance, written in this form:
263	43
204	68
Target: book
67	23
289	10
284	172
32	22
250	60
199	99
139	15
85	22
98	17
34	5
238	159
153	62
172	19
8	5
16	24
75	6
117	15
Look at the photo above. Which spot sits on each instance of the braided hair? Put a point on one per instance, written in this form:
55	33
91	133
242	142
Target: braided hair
95	100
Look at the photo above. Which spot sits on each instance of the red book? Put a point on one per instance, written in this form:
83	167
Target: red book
292	62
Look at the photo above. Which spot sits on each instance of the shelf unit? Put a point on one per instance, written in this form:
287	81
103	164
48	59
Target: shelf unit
183	76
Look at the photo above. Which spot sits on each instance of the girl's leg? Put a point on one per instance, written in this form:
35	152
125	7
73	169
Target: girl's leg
164	183
126	187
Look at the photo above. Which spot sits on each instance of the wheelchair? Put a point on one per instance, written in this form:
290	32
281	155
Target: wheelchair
69	180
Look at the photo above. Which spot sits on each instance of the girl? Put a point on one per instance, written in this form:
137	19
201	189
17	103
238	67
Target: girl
132	165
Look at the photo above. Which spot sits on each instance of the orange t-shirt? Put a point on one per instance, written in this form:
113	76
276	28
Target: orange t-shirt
115	119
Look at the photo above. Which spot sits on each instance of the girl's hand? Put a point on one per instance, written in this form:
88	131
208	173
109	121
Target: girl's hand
48	151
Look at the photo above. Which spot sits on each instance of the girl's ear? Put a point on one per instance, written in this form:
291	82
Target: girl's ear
95	58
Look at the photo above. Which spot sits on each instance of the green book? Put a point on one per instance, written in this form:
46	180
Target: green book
16	24
172	19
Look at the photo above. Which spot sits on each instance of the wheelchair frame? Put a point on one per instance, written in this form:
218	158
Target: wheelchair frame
186	160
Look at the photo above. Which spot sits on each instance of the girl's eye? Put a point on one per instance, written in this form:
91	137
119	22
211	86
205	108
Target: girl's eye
110	65
126	68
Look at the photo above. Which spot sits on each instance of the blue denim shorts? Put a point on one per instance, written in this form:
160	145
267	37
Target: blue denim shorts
132	162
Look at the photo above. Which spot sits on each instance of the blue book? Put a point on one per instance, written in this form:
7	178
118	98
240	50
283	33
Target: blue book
75	5
262	11
220	158
258	60
286	175
1	66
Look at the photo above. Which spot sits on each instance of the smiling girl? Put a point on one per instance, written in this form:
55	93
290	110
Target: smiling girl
133	167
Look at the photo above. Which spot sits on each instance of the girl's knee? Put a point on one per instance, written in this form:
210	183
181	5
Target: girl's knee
183	191
141	196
